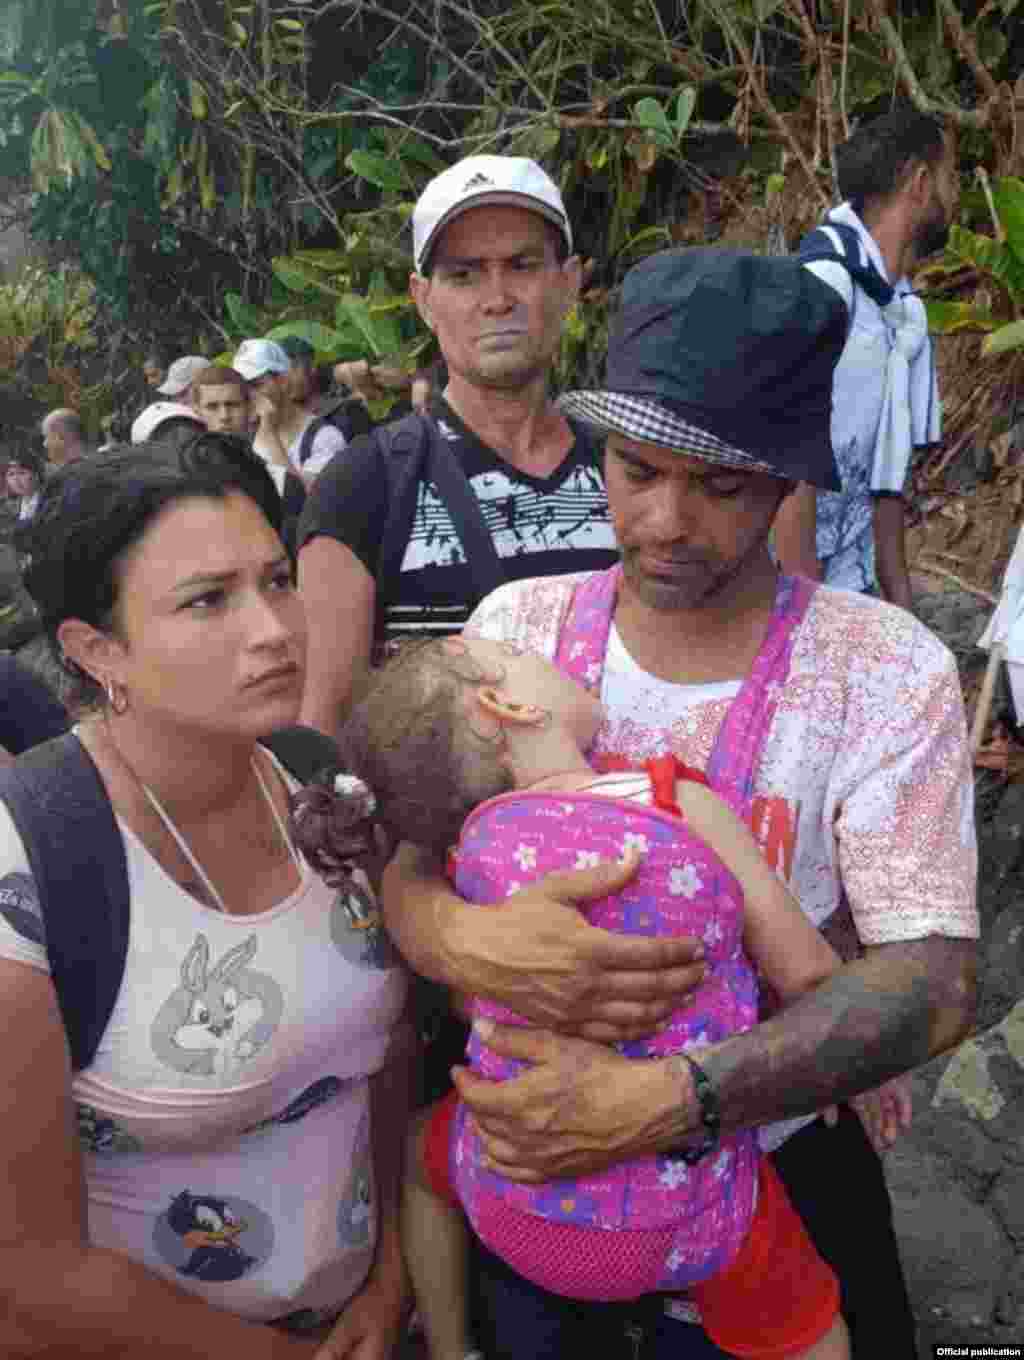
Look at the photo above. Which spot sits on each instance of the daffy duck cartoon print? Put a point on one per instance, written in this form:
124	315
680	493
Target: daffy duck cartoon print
210	1231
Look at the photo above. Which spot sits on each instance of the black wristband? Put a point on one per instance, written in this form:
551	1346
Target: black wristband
710	1115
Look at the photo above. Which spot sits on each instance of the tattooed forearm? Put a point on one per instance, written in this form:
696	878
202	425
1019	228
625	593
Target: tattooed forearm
879	1016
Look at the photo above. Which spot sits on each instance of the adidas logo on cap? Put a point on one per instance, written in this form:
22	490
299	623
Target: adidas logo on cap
512	180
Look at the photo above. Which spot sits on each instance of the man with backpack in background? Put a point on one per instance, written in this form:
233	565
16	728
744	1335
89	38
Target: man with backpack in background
898	179
422	518
294	428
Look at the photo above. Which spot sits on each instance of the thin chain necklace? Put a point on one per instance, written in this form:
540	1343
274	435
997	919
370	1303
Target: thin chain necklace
183	844
186	850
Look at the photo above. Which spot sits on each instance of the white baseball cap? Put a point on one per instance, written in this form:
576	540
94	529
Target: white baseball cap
513	181
145	424
180	375
256	358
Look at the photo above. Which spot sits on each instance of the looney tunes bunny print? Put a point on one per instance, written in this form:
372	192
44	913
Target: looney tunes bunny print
220	1016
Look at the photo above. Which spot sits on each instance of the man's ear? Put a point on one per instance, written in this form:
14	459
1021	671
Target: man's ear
419	291
499	705
98	654
572	273
920	182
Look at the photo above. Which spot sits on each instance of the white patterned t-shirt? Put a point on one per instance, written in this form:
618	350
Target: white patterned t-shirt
864	793
225	1119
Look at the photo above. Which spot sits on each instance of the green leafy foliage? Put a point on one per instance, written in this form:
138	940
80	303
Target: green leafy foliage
997	261
1003	340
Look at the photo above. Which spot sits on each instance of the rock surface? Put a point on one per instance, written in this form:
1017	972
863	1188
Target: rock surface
957	1177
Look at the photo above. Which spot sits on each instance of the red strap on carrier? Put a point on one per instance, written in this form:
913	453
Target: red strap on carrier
664	772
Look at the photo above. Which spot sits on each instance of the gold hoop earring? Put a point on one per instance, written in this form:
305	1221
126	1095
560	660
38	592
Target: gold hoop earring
117	697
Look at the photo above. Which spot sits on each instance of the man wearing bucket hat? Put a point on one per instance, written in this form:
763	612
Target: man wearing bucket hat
832	722
420	519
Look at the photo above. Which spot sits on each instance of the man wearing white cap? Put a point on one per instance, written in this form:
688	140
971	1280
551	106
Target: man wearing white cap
167	422
417	521
177	385
265	366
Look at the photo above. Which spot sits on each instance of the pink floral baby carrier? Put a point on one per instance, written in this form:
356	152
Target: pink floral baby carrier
656	1223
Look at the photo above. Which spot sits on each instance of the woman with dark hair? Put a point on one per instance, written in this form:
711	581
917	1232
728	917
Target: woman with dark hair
248	1071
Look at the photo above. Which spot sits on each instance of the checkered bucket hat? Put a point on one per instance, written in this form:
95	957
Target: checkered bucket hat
725	356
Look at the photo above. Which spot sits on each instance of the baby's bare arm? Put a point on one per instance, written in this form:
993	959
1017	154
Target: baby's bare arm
789	951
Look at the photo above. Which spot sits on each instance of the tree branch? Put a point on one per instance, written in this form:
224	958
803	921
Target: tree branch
968	48
905	72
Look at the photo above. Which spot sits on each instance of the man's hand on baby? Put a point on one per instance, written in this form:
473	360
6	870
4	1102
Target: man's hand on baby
539	957
576	1109
885	1111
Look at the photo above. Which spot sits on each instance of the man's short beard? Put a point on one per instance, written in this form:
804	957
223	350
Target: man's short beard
670	599
931	237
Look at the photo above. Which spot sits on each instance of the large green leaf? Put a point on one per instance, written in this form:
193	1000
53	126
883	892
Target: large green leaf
1004	339
652	116
989	257
386	172
298	277
244	316
945	318
323	339
1008	196
415	149
331	261
685	105
354	312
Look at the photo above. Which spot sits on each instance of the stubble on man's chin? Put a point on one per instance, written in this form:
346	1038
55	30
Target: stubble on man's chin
662	598
932	238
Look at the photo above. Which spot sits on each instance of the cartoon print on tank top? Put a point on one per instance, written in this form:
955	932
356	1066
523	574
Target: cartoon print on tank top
319	1093
355	1212
220	1017
357	928
207	1237
101	1135
20	907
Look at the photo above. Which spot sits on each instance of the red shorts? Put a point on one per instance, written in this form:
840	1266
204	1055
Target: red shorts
437	1141
777	1296
775	1299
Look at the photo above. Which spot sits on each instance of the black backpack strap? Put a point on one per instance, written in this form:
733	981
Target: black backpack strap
349	415
452	484
415	451
403	447
59	805
819	245
61	811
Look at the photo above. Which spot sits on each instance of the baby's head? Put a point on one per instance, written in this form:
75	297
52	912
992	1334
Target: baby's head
439	731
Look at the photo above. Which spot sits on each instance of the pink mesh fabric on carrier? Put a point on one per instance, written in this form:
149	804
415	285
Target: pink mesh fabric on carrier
654	1223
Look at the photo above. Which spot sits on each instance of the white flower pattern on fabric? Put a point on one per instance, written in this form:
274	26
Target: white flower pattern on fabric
722	1163
712	933
674	1174
685	882
635	840
587	859
525	856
